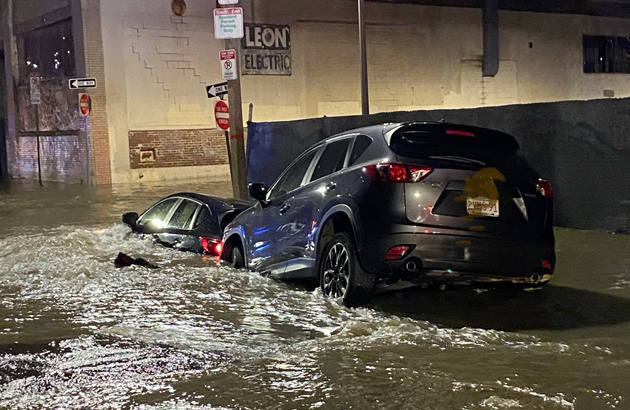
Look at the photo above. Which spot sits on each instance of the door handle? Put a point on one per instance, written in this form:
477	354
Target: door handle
284	208
331	186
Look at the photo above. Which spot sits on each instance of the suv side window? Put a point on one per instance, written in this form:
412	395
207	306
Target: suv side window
292	179
361	143
333	158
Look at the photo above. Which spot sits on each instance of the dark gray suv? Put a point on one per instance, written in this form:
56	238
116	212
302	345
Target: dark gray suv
427	202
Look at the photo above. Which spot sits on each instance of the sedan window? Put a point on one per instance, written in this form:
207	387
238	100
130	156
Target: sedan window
156	216
183	215
333	158
203	215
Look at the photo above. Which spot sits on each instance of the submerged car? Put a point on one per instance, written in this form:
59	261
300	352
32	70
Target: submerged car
187	221
417	201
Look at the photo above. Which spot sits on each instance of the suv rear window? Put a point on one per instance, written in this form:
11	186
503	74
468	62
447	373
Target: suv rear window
423	140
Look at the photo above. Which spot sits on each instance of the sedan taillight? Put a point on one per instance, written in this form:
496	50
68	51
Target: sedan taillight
544	187
397	172
211	246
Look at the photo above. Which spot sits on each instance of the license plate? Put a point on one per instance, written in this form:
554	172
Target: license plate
482	207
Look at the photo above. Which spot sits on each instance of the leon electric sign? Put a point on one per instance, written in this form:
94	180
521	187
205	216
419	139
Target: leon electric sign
266	49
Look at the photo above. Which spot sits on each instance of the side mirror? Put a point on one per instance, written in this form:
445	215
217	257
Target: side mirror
258	191
130	218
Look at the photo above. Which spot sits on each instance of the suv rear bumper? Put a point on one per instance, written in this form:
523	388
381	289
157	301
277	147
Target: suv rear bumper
440	254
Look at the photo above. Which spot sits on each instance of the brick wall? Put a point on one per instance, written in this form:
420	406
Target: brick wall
62	158
95	67
177	148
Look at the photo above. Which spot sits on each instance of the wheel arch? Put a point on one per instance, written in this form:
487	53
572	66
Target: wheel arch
339	218
231	238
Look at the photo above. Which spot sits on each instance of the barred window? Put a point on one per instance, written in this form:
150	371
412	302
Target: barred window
605	54
49	51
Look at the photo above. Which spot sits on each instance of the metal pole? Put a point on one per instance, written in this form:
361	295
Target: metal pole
237	140
39	160
39	163
365	99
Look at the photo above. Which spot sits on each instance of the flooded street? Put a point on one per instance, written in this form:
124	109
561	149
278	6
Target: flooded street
78	333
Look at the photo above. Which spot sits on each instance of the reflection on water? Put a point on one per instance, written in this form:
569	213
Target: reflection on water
76	332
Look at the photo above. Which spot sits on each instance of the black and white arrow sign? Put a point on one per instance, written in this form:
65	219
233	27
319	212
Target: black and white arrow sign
76	83
217	90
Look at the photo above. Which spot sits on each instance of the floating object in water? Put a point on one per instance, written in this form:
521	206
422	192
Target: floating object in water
124	260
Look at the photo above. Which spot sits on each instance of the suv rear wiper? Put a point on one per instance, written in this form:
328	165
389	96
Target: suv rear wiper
459	159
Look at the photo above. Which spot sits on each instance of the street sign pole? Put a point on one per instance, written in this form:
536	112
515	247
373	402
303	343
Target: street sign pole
227	139
39	154
237	140
36	100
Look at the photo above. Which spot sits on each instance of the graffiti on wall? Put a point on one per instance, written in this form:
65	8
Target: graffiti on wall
58	110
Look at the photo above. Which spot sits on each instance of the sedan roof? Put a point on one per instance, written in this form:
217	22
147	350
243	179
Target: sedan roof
217	203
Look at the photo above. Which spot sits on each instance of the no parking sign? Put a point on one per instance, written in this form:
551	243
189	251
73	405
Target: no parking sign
228	65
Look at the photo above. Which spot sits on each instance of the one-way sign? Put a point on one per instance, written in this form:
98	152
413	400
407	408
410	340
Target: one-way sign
76	83
217	90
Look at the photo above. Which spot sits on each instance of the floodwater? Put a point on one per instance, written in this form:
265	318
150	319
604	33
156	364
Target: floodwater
78	333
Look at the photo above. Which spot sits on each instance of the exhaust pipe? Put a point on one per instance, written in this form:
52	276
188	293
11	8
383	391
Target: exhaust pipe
535	278
411	266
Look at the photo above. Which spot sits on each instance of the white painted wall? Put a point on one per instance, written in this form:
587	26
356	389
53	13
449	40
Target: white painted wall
157	65
153	64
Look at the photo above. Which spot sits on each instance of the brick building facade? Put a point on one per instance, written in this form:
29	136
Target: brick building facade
151	118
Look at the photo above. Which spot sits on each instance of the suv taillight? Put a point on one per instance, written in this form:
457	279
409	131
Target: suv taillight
544	187
397	172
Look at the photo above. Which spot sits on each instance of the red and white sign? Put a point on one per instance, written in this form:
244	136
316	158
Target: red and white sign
85	104
228	23
222	115
228	65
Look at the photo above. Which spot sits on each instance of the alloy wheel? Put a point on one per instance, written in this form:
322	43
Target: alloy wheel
336	271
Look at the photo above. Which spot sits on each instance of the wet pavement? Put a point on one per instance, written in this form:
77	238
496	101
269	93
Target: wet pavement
78	333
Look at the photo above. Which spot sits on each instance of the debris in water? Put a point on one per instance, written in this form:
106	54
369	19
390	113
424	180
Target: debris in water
124	260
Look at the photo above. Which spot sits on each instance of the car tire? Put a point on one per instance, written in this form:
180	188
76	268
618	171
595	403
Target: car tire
236	257
340	274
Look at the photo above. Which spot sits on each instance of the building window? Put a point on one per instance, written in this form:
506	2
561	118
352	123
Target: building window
604	54
49	51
